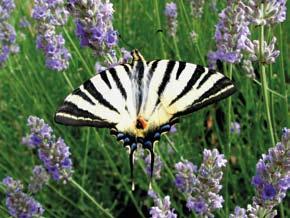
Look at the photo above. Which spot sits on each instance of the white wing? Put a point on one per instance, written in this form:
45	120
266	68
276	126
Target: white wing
177	88
105	100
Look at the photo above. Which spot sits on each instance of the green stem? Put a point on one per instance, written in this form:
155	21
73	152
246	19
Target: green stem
271	100
77	51
264	81
270	90
282	76
67	199
85	159
228	149
82	190
68	80
176	48
159	27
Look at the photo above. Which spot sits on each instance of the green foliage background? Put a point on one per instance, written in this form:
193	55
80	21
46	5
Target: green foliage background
101	164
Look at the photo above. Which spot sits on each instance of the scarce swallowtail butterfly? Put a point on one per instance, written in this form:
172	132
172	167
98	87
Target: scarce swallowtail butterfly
141	100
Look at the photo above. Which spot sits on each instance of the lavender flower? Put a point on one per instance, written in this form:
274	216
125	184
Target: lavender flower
53	153
193	36
20	204
256	210
239	213
173	129
94	25
40	177
266	12
202	185
161	207
231	32
49	15
7	32
248	68
235	128
272	180
24	23
171	15
196	8
112	60
269	53
6	6
158	165
12	185
185	178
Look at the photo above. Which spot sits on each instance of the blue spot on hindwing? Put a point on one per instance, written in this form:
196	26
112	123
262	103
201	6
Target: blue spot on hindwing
165	128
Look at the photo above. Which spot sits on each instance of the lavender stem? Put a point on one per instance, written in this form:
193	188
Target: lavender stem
82	190
264	80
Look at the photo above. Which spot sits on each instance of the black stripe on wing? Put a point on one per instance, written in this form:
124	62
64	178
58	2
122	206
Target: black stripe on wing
89	86
223	85
79	92
206	77
105	78
152	69
70	114
181	67
199	70
165	80
166	77
119	85
127	68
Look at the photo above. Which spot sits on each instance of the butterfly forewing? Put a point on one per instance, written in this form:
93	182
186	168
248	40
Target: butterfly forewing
105	100
177	88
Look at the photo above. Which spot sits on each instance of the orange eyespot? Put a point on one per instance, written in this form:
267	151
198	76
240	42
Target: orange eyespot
141	123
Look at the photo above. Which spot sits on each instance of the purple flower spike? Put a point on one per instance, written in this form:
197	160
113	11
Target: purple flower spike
231	32
272	174
158	166
274	12
201	186
6	6
197	7
239	213
49	15
7	32
271	182
20	204
161	207
53	153
171	15
185	178
40	177
94	28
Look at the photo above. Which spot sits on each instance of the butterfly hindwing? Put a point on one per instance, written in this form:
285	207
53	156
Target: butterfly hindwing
102	101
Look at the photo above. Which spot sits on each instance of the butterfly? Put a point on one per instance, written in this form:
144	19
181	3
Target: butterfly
141	100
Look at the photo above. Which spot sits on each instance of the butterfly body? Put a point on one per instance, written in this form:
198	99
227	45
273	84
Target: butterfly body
142	100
